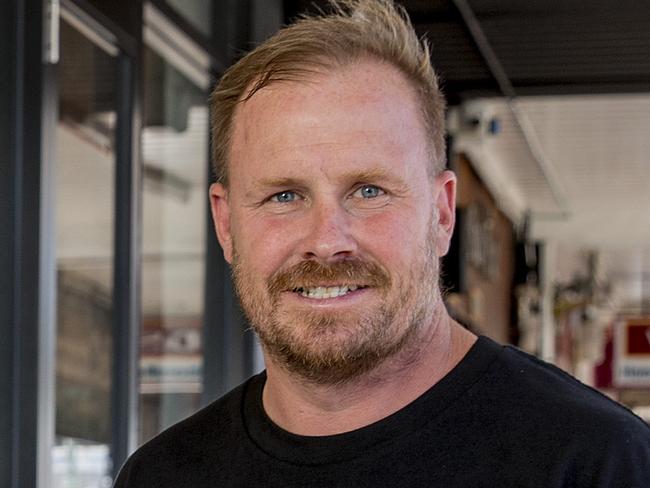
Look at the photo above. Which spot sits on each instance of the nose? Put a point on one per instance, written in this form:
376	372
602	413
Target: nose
330	233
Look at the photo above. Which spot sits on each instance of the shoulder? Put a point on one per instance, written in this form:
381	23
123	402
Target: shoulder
208	433
532	379
531	409
562	408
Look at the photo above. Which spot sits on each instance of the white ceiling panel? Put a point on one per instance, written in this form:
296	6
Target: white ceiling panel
598	151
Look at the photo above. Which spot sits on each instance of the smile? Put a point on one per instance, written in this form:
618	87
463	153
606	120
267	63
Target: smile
322	292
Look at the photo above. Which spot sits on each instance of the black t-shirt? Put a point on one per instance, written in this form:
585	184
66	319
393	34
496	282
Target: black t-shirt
501	418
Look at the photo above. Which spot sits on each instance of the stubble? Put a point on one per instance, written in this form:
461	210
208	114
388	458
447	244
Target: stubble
333	348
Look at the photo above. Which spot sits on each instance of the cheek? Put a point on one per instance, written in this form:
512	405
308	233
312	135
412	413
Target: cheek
394	238
262	245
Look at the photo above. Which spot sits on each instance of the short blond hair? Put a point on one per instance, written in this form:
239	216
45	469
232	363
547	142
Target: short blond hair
354	30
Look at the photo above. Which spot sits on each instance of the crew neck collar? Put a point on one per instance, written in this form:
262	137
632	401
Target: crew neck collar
313	450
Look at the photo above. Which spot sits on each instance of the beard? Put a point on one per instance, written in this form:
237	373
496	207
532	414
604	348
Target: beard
335	347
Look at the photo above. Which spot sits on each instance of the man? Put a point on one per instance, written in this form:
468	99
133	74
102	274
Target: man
333	209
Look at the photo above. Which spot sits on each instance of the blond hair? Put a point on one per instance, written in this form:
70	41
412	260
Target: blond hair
356	29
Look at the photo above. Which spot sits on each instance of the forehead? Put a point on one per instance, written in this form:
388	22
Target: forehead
368	85
363	112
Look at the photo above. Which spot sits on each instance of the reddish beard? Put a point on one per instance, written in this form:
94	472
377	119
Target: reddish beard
328	347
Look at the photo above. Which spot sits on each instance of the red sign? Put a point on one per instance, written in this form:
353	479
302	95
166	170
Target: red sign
638	337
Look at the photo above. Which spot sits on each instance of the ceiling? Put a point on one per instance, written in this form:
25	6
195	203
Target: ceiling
544	48
596	148
580	172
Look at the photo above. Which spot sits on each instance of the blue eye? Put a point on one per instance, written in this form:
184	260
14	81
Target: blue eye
370	191
284	197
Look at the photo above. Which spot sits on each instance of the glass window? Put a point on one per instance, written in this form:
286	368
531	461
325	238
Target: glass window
85	169
199	13
175	154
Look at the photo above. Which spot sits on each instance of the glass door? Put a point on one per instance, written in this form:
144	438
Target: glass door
174	200
84	189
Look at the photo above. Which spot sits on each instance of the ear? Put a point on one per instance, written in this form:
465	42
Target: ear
221	217
445	200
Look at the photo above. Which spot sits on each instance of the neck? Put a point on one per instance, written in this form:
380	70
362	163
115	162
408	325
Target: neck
306	408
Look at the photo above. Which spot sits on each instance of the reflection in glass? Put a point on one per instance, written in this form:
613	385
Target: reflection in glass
196	12
175	153
85	159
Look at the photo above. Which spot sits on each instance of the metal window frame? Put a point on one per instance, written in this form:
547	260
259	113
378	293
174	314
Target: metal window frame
127	265
104	34
21	333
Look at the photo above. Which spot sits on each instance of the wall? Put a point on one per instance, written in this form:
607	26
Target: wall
484	298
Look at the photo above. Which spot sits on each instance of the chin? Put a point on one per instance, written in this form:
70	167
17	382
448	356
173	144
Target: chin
334	348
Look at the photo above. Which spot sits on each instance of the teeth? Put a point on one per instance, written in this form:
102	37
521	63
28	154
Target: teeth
322	292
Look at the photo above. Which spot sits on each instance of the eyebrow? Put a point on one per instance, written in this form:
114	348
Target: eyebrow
348	176
372	175
278	182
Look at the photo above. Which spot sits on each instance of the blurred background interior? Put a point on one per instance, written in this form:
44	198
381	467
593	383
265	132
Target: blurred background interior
117	312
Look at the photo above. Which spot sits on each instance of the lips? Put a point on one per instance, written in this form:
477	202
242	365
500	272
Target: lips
323	292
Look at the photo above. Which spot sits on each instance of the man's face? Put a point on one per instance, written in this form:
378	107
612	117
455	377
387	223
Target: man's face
332	221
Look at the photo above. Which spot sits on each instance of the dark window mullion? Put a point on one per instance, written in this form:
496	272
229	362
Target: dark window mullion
21	329
126	319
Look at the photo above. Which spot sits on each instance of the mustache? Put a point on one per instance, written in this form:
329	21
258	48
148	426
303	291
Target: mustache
313	273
